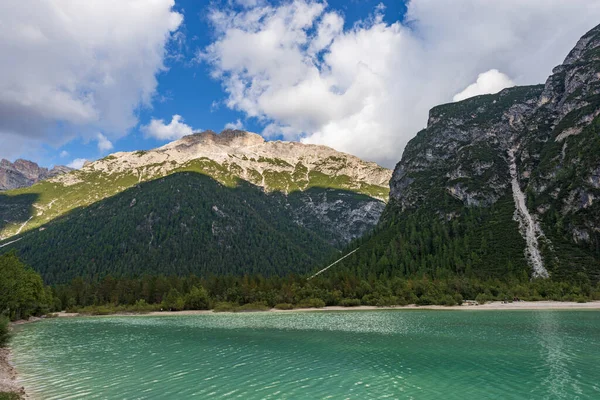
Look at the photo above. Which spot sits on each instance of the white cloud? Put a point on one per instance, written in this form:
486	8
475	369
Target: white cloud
234	125
367	89
174	130
64	154
488	82
249	3
77	163
103	143
76	67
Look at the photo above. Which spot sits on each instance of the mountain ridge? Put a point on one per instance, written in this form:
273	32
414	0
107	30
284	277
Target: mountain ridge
23	173
212	202
537	147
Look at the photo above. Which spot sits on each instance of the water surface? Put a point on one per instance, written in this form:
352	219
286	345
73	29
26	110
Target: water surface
338	355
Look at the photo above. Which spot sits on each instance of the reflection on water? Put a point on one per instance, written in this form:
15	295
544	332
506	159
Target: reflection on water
557	364
338	355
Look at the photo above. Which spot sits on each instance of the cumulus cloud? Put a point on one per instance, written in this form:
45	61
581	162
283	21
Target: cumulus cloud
64	154
367	89
174	130
76	67
234	125
77	163
488	82
103	143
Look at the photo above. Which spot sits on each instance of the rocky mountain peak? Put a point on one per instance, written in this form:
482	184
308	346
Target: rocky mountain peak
275	165
584	47
23	173
576	79
228	137
534	149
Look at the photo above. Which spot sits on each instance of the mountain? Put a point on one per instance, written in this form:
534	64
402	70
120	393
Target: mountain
207	203
23	173
502	185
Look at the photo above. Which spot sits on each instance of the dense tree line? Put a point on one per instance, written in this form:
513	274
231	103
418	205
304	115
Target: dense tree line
22	292
341	288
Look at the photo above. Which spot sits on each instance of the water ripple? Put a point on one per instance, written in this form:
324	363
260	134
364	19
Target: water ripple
333	355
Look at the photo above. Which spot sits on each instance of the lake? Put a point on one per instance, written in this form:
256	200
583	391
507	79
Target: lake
308	355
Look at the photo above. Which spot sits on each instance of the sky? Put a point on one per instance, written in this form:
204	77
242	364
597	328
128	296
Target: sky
82	79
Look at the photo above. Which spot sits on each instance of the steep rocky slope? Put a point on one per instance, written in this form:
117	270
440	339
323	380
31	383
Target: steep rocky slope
535	150
23	173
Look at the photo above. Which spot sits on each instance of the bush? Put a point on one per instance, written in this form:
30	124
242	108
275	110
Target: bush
197	299
94	310
284	306
258	306
458	299
350	302
482	298
225	307
141	306
312	302
425	301
449	300
581	299
4	330
173	301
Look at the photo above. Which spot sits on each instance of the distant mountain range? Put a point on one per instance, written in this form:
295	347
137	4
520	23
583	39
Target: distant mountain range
23	173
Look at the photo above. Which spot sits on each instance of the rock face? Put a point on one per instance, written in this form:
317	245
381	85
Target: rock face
23	173
325	190
282	166
537	145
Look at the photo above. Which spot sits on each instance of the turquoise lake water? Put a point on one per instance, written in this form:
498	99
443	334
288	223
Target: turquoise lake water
320	355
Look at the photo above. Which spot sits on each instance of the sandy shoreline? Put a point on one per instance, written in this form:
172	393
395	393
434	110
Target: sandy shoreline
495	305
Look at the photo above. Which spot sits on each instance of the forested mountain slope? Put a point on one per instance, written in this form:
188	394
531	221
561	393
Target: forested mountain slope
178	225
503	185
226	203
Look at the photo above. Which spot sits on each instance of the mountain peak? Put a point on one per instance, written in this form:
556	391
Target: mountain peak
228	137
23	173
584	47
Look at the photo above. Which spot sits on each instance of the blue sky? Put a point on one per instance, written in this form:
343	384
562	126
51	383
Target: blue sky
359	76
188	90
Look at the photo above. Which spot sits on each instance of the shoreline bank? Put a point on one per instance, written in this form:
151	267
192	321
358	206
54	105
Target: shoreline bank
491	306
9	382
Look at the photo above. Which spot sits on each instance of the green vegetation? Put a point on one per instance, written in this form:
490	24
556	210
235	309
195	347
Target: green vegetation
4	330
181	224
9	396
22	292
337	287
188	223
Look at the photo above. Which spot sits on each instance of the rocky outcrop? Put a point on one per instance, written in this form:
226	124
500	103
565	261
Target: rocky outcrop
24	173
548	134
276	165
